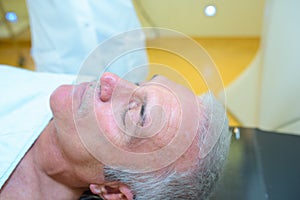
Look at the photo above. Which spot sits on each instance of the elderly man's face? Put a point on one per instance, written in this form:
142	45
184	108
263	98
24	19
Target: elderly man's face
134	117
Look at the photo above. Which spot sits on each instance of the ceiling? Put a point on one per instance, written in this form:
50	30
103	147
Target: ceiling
234	18
15	29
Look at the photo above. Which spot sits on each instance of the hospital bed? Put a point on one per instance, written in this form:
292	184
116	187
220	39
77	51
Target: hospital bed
261	166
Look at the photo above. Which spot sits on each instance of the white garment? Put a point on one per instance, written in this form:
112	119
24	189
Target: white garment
65	32
24	112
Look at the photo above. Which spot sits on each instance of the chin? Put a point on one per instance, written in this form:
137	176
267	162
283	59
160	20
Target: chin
61	100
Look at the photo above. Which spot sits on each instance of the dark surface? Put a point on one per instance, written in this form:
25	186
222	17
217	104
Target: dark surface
261	165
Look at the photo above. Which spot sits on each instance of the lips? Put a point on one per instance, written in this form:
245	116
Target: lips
84	93
79	93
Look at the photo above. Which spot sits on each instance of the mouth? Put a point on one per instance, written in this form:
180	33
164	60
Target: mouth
79	93
85	92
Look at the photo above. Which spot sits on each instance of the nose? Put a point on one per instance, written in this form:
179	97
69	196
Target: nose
109	82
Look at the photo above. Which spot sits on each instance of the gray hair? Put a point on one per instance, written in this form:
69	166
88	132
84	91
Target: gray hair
196	183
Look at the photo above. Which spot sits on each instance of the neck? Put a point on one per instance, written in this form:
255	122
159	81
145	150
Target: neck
47	171
44	172
57	174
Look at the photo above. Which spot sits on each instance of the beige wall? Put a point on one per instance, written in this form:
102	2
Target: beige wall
267	94
235	18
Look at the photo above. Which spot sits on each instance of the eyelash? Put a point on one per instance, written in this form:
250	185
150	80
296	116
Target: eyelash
137	104
133	104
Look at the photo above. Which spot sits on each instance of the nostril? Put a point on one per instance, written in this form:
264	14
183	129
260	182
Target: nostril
99	90
108	83
105	93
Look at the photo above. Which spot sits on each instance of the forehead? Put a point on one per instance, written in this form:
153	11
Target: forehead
187	133
166	84
162	115
187	113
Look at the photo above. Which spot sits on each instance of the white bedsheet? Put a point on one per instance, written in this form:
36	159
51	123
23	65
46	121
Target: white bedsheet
24	112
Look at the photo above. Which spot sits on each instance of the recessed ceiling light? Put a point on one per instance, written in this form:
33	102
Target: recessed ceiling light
11	16
210	10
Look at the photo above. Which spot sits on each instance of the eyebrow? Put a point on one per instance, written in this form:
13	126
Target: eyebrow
138	83
155	75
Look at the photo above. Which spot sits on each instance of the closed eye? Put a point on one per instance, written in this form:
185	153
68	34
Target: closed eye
142	115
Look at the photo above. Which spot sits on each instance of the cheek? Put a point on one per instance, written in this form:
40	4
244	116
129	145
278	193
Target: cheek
109	125
71	144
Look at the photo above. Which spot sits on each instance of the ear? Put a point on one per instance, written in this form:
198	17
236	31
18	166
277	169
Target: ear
112	191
